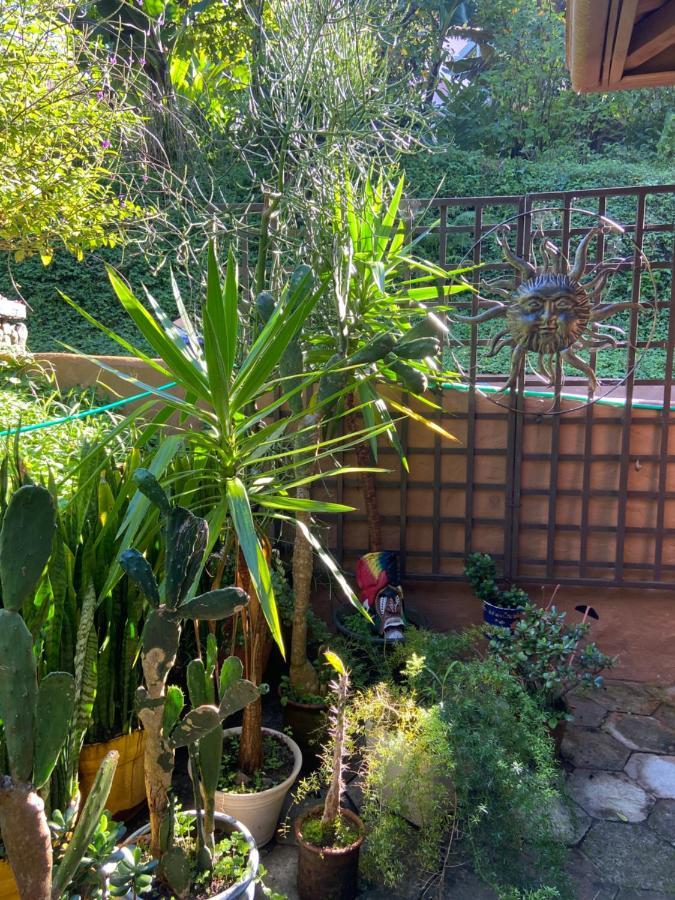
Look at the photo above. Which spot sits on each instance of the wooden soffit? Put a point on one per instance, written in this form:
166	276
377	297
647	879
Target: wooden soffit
618	44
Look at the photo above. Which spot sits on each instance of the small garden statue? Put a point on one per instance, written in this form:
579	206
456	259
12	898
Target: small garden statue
380	592
551	312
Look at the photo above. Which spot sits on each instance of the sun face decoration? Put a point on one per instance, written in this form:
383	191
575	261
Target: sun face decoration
551	312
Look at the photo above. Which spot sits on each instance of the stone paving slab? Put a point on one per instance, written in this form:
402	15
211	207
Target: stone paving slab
641	732
655	774
643	895
569	821
609	795
662	819
586	712
666	713
631	856
628	696
586	879
588	748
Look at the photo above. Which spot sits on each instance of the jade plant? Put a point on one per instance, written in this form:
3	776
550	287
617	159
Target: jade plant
36	715
481	571
160	706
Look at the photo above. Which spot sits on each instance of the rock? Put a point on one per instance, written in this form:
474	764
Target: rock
628	696
643	895
654	773
662	819
241	778
609	795
631	856
569	822
587	748
587	713
641	732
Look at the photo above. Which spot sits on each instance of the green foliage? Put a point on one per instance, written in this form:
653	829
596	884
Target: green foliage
61	132
132	874
481	571
406	771
86	880
28	397
339	834
549	656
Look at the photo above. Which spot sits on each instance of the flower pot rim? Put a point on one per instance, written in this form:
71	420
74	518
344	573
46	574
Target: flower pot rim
286	784
299	703
504	608
222	818
329	851
115	737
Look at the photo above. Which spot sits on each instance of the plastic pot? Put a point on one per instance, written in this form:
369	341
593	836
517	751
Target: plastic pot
260	811
244	888
329	873
413	617
501	616
308	727
128	787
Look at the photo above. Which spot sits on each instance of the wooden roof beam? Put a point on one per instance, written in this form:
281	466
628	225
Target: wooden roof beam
652	35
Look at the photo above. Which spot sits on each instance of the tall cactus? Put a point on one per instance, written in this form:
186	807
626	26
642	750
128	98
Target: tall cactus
159	708
36	717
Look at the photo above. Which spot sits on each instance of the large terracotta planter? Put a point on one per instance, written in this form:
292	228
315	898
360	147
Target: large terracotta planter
329	873
244	888
260	811
308	728
8	889
128	787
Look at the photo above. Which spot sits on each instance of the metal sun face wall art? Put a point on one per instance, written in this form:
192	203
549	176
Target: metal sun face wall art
552	312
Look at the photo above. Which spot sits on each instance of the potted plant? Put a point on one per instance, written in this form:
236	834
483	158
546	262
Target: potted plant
36	714
550	658
236	425
186	537
329	837
500	607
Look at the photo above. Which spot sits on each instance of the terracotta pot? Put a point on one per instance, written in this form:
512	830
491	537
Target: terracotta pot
260	812
308	726
128	787
329	873
244	888
8	889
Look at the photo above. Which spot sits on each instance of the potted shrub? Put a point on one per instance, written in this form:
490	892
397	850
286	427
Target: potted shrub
500	607
550	658
329	837
36	714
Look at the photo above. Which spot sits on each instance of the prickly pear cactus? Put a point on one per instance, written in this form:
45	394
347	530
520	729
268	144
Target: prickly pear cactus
36	717
159	706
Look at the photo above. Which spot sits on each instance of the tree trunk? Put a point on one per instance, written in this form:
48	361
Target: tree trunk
26	837
256	634
303	675
364	458
158	763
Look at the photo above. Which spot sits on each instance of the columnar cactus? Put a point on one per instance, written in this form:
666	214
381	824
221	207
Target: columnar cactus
36	717
160	707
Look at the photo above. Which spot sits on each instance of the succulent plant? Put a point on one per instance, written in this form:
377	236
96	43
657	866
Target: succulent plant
160	706
36	716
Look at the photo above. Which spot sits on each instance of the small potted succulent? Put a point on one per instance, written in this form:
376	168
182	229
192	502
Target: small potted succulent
500	607
550	658
329	837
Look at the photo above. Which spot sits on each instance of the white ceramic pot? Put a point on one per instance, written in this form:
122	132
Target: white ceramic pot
244	889
260	812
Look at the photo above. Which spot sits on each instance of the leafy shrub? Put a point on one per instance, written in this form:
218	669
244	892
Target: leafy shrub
549	657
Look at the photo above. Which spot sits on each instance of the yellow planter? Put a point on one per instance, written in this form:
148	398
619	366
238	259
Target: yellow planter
128	788
8	889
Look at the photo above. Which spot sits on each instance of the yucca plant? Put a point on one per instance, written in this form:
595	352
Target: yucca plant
231	410
380	327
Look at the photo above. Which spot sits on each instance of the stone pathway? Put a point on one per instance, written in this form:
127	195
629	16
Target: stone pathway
619	760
